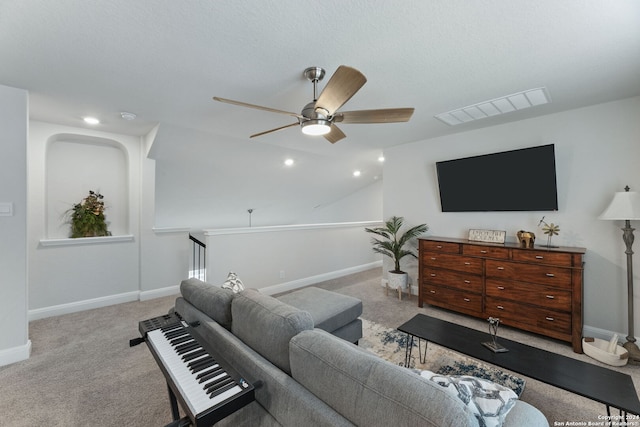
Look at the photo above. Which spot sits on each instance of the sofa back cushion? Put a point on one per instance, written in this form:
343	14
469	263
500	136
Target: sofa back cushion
368	390
267	325
212	300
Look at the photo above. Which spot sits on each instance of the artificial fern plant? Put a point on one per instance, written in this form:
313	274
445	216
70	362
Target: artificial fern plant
391	242
87	217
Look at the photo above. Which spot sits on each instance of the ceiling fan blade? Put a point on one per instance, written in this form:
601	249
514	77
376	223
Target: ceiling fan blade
335	135
344	83
274	130
257	107
390	115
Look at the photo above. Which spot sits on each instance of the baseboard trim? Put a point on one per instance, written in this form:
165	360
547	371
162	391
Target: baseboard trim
159	293
306	281
591	331
15	354
73	307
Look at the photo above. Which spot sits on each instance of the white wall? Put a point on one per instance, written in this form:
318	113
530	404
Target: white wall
14	340
597	154
281	258
364	204
65	274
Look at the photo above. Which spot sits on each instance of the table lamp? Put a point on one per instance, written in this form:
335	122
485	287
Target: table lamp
625	206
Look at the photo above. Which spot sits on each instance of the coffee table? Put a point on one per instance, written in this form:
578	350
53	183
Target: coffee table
614	389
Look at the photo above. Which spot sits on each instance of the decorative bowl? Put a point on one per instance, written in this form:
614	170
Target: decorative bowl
597	348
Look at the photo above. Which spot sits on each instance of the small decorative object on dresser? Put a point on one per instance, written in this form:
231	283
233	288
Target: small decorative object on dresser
526	239
550	230
391	242
489	236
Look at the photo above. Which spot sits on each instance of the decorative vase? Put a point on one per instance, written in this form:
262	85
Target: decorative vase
398	280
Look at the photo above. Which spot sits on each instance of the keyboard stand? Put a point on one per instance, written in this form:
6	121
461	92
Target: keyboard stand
174	404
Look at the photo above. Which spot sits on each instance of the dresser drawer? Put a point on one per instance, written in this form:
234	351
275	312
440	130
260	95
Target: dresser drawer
431	245
543	257
454	279
534	319
543	296
543	274
453	299
453	262
485	251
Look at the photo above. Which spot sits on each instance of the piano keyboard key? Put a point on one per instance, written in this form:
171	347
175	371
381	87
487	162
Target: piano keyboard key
198	395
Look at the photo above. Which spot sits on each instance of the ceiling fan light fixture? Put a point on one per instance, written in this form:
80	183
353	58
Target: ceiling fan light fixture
316	127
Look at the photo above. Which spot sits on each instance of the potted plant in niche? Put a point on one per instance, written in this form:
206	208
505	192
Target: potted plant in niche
87	217
391	242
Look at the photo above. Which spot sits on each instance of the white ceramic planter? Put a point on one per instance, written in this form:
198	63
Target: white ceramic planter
398	280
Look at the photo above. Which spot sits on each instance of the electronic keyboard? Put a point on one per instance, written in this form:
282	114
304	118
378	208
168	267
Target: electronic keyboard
206	386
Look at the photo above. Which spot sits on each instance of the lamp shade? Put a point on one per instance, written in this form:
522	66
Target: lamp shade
625	205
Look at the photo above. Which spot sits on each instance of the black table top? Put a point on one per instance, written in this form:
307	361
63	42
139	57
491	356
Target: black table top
603	385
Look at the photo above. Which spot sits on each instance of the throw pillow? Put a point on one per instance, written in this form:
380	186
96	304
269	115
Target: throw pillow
489	402
233	283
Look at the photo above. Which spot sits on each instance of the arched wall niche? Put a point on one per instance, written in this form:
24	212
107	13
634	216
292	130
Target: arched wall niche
76	164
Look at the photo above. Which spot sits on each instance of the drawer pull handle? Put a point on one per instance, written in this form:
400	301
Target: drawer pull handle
500	307
433	274
432	291
439	246
550	296
539	257
467	263
501	288
550	275
550	319
467	281
433	258
500	268
483	252
467	299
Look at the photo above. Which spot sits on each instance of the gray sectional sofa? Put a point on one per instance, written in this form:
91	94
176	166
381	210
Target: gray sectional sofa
307	376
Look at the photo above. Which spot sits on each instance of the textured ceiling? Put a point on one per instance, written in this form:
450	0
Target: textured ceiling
164	60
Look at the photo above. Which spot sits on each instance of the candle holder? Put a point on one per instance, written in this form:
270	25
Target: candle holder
493	345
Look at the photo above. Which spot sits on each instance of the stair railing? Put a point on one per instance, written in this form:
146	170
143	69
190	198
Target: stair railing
198	259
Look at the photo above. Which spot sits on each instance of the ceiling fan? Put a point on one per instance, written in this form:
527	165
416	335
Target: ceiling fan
319	117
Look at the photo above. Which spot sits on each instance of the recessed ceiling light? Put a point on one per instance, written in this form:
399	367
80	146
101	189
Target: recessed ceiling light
356	173
91	120
381	159
494	107
289	162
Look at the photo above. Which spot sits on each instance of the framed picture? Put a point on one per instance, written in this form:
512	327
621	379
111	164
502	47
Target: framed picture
489	236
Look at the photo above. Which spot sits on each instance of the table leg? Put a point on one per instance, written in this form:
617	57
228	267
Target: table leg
423	358
407	350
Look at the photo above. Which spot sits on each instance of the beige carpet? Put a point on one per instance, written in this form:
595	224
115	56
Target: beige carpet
83	373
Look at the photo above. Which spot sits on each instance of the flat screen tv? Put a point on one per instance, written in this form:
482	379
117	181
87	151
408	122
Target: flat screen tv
517	180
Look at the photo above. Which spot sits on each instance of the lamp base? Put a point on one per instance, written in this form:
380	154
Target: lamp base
634	351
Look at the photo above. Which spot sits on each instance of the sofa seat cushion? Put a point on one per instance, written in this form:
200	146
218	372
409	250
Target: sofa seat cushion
330	310
267	325
368	390
212	300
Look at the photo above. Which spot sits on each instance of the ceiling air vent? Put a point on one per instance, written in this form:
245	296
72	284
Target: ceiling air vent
494	107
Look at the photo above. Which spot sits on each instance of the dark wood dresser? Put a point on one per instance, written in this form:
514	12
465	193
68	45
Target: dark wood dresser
537	290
